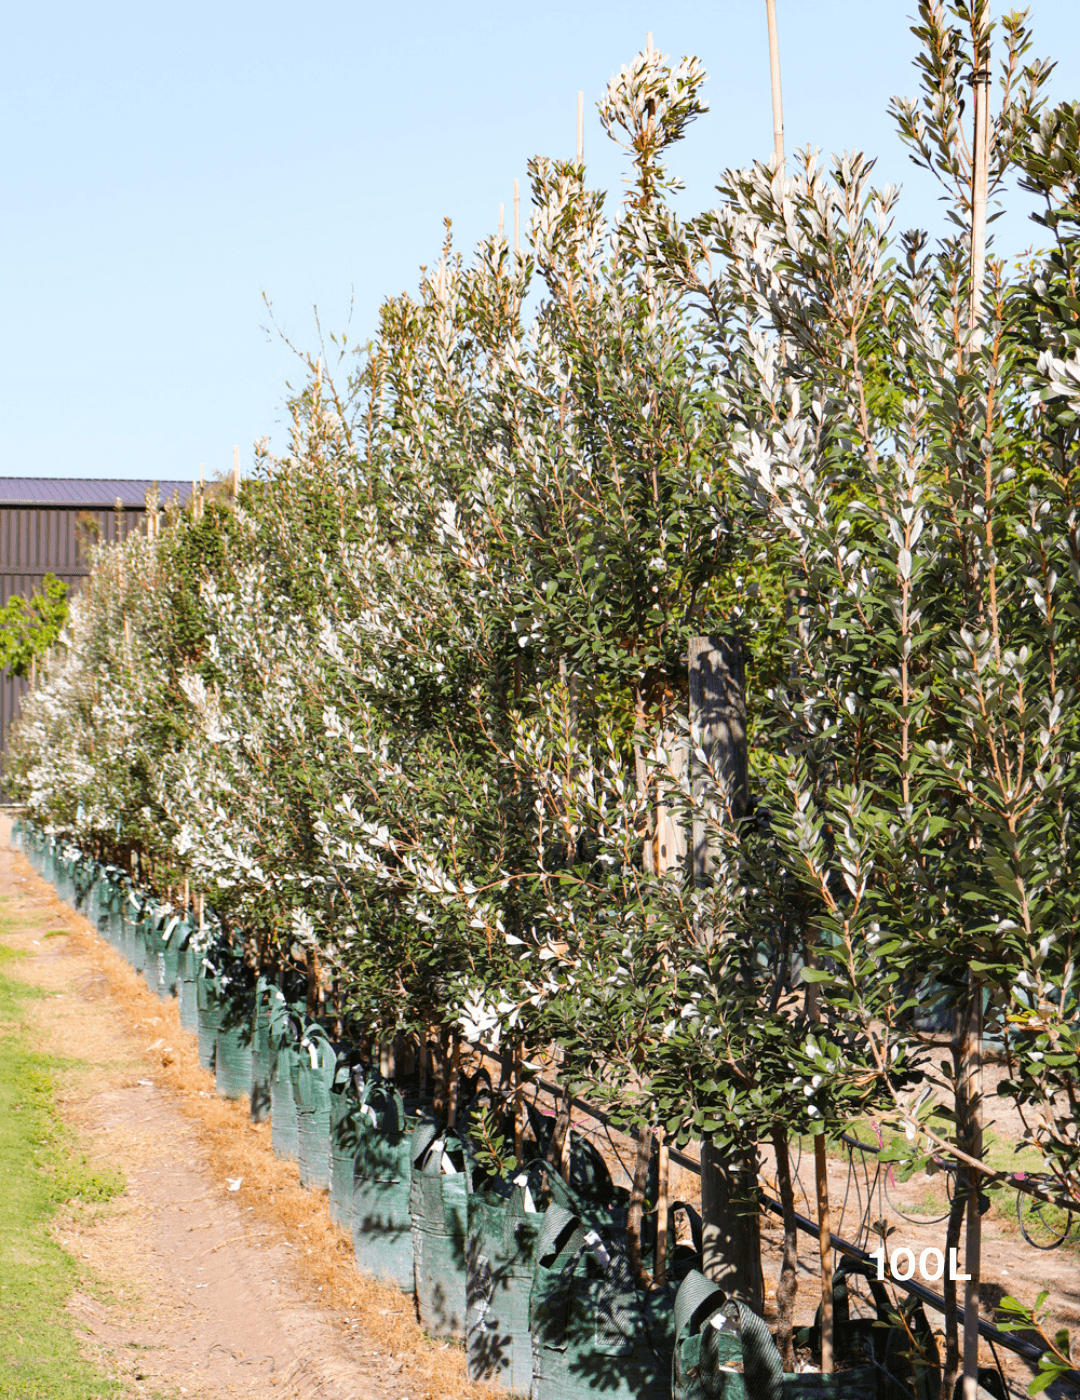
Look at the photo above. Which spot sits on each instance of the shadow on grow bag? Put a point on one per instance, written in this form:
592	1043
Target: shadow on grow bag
312	1074
209	1009
440	1182
262	1053
371	1172
594	1331
504	1226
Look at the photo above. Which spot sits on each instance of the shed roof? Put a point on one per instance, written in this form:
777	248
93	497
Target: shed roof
85	493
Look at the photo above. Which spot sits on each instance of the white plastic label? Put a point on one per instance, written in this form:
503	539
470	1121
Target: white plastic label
596	1244
448	1166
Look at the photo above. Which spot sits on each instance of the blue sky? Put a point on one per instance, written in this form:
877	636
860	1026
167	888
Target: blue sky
165	166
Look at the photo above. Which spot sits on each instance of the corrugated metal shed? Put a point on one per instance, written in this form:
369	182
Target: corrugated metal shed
86	493
43	521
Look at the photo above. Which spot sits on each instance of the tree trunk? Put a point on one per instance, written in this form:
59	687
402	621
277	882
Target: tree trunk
729	1197
731	1220
788	1285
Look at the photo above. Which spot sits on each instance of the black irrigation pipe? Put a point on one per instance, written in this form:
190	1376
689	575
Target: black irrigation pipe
1027	1350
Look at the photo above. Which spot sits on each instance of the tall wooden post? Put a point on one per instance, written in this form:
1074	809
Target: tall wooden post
236	473
517	217
971	1103
729	1207
774	73
581	128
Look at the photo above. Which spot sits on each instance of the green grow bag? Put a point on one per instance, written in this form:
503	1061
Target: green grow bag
262	1054
593	1330
168	954
232	1060
500	1260
209	1014
439	1211
312	1075
136	932
283	1104
891	1371
343	1132
187	987
708	1361
380	1216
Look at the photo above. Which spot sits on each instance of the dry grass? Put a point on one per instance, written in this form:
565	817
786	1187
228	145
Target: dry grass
237	1147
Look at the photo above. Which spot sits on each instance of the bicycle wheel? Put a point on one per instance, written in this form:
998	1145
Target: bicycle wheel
1043	1225
925	1212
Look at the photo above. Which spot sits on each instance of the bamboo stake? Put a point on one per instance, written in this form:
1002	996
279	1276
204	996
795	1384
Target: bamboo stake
821	1175
423	1061
980	180
973	1087
455	1080
664	1170
581	128
517	217
973	1233
502	216
519	1106
774	71
236	473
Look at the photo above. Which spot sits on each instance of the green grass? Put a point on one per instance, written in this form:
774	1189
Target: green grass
41	1169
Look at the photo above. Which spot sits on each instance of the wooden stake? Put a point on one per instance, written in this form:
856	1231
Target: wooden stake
502	217
455	1080
980	177
581	128
423	1061
236	473
821	1176
774	71
519	1107
660	1267
517	217
971	1116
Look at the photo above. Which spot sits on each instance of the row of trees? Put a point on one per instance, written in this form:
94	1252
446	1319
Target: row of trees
412	711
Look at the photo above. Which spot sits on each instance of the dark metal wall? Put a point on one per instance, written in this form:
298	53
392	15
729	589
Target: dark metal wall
38	540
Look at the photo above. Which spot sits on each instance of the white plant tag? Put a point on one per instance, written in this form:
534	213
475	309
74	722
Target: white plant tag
448	1166
530	1204
314	1055
369	1112
170	928
596	1244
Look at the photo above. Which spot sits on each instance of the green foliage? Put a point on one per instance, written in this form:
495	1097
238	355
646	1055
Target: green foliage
29	626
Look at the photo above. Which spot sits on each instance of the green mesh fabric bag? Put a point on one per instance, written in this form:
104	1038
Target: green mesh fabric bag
283	1043
312	1075
381	1186
593	1330
209	1014
262	1053
708	1360
893	1369
439	1211
232	1060
504	1226
136	931
187	987
283	1104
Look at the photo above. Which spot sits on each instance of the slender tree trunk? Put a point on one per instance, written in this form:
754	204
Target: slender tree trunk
821	1178
788	1285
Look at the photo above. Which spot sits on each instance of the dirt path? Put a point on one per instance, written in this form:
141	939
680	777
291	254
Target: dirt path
205	1291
